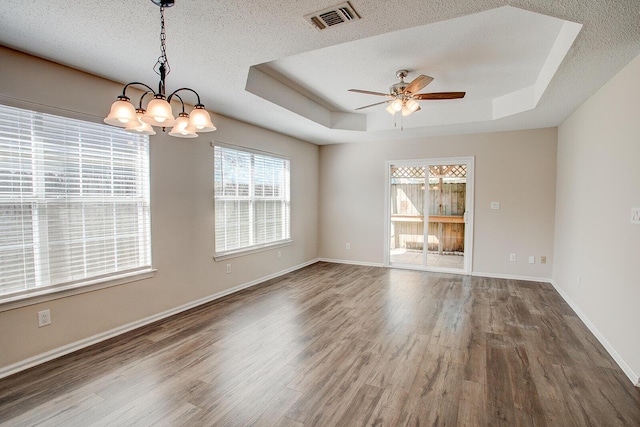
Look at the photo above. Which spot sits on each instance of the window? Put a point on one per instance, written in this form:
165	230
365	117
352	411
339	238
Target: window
252	205
74	203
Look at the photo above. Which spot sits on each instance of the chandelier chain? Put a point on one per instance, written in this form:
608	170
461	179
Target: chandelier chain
163	61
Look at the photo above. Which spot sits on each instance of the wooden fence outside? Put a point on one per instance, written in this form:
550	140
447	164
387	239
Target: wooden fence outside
446	221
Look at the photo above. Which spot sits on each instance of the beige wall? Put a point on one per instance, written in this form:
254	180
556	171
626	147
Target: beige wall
597	249
516	169
181	214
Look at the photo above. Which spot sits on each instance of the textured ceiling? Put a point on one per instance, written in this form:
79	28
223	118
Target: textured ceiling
214	47
504	58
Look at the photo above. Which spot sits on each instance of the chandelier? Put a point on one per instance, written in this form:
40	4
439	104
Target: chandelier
159	112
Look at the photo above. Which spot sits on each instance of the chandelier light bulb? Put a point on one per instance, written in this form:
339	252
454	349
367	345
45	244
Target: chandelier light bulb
200	120
122	112
138	126
180	128
397	105
158	112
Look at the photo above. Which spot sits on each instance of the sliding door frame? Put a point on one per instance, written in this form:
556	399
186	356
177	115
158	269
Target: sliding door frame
469	205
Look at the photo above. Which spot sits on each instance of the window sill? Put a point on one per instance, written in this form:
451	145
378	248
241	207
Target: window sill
43	295
253	250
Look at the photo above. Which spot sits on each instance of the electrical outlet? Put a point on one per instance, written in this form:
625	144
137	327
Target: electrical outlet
228	268
44	318
635	215
512	257
532	259
495	206
279	254
348	245
543	259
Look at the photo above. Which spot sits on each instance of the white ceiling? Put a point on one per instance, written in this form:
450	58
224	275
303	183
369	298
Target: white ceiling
525	66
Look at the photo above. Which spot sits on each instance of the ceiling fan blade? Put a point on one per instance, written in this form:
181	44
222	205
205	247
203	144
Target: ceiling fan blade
439	95
418	84
377	103
368	92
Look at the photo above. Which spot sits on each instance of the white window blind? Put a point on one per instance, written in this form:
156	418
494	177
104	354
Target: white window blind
252	201
74	201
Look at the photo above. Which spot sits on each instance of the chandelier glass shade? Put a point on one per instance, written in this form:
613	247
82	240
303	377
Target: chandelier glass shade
138	126
159	112
181	127
122	112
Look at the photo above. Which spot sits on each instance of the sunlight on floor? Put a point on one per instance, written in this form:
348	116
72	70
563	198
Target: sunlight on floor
414	257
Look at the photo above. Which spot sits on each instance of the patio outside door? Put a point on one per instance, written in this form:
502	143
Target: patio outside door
429	222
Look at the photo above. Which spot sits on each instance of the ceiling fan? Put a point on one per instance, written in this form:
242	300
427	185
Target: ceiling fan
403	96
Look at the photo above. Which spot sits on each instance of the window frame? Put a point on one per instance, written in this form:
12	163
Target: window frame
260	247
33	295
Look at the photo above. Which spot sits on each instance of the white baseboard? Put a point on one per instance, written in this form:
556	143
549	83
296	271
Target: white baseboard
511	277
78	345
345	261
633	376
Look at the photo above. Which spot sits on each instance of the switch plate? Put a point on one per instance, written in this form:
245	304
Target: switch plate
44	318
279	254
532	259
495	205
228	268
512	257
635	215
543	259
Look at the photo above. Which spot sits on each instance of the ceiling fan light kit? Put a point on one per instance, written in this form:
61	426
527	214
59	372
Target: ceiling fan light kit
403	96
158	112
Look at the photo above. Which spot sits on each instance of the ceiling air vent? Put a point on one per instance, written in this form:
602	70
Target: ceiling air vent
336	15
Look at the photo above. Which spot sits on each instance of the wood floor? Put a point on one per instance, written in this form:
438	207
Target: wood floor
338	345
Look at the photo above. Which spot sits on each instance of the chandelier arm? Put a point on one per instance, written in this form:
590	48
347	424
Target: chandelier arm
177	96
142	97
185	88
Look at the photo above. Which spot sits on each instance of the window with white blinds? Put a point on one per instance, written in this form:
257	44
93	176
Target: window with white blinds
74	202
252	202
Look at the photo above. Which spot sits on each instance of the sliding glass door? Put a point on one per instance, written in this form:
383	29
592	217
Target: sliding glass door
429	221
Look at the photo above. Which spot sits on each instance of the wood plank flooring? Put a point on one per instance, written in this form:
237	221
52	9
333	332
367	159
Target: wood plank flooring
340	345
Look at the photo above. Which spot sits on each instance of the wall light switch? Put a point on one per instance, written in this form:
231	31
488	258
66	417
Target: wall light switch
532	259
495	205
44	318
635	215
